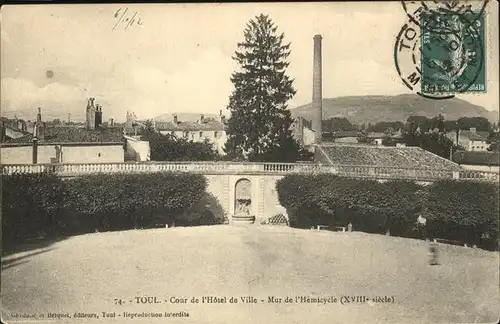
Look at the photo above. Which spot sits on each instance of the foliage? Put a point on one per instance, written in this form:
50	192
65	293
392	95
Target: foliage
130	195
43	204
494	141
259	128
31	205
434	142
382	127
336	124
464	210
331	199
480	123
472	207
171	148
363	137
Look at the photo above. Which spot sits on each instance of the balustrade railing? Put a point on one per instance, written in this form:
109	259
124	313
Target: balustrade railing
358	171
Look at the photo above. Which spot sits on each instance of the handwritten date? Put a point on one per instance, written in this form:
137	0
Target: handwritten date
125	19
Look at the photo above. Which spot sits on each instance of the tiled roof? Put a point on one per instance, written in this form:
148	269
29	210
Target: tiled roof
386	156
75	135
477	158
209	125
473	136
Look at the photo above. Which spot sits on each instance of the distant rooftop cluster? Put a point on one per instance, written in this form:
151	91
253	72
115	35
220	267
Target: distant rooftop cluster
370	155
203	124
92	132
74	135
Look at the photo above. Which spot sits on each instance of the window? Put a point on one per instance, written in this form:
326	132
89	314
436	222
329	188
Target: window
216	135
201	134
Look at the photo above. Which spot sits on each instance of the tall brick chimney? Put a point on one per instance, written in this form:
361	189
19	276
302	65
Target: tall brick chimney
98	116
317	95
91	112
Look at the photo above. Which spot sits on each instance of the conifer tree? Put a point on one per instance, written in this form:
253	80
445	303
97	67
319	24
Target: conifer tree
259	128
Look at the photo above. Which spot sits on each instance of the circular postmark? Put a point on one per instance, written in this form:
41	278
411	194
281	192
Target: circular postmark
438	63
428	14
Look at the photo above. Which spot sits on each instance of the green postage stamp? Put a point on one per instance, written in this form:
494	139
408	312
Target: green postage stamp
441	50
452	53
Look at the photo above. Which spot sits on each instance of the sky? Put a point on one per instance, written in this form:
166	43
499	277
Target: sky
177	57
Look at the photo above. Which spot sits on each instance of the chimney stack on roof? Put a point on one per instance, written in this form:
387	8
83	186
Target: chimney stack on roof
202	119
98	116
175	119
222	117
39	132
39	115
91	114
317	96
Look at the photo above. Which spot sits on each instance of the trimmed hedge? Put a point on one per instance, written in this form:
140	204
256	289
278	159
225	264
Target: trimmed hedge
467	211
43	204
31	206
463	210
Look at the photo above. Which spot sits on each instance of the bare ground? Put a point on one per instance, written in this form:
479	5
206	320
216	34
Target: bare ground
87	273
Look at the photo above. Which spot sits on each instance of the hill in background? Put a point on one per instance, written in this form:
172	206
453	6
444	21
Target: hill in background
373	109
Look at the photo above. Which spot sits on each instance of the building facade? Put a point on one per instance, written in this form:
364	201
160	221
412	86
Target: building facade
197	131
89	144
470	140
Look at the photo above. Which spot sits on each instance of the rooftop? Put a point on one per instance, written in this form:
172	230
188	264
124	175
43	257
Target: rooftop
371	155
75	135
473	136
208	125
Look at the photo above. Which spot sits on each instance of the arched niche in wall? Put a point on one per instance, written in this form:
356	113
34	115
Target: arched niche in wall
243	198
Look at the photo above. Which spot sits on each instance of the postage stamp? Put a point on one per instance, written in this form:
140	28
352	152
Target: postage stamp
439	52
452	54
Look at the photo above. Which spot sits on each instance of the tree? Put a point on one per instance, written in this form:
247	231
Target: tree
421	122
383	126
260	124
336	124
480	123
363	137
494	141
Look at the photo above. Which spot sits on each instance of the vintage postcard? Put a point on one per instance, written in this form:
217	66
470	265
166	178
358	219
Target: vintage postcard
324	162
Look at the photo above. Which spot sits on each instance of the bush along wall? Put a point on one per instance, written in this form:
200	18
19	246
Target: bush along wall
43	204
31	206
466	211
462	210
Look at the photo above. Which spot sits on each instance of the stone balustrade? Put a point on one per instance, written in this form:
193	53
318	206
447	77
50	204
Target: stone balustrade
357	171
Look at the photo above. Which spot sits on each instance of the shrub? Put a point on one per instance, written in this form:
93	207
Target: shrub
31	206
119	201
464	210
42	204
370	205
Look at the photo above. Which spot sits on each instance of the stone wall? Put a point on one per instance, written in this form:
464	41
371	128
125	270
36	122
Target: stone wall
69	153
264	195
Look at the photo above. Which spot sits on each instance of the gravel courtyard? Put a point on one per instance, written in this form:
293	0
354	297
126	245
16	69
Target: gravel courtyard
105	272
